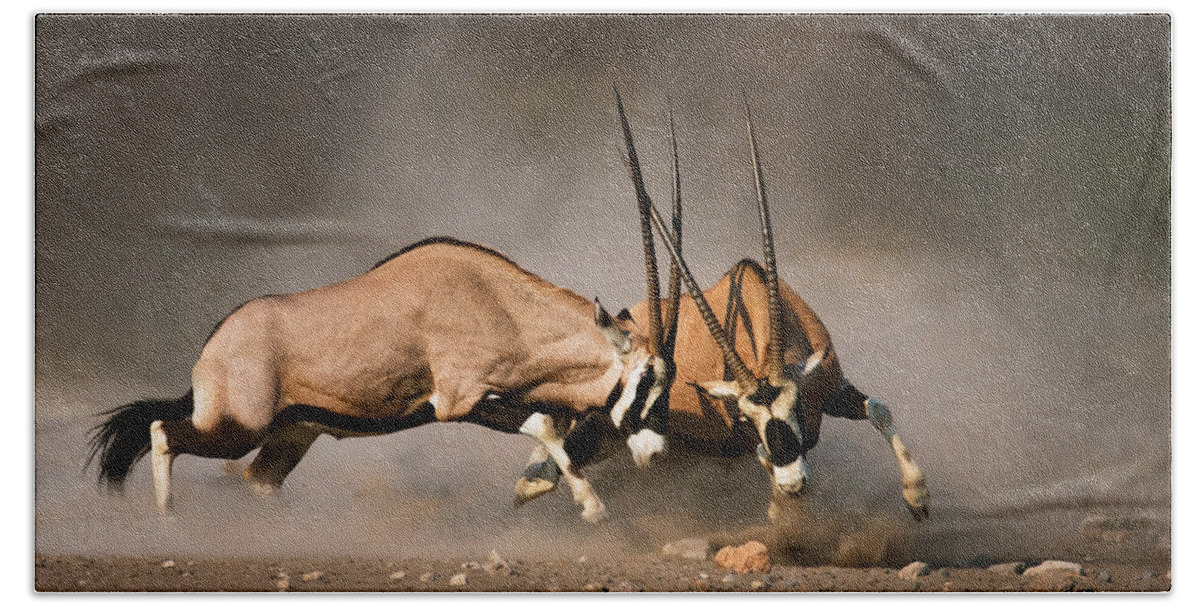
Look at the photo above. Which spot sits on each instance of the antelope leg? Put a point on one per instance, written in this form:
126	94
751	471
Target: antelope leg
280	453
541	427
540	477
588	441
916	494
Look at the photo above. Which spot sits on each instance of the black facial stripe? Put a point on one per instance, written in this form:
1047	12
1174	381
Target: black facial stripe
783	447
632	422
765	394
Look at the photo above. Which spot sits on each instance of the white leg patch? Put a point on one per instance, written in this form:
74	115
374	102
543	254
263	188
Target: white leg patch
541	427
644	445
160	463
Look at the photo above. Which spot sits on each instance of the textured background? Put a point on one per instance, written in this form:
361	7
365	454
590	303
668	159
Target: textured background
977	206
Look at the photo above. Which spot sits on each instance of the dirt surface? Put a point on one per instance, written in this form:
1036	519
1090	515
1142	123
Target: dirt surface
638	573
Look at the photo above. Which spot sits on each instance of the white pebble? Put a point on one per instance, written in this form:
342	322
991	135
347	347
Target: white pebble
914	570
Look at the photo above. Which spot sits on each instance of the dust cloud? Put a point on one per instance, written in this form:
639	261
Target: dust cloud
977	206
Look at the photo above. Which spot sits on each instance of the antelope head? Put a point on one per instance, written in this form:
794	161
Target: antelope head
770	403
652	372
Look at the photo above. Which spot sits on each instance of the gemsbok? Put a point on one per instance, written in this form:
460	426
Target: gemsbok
443	330
737	394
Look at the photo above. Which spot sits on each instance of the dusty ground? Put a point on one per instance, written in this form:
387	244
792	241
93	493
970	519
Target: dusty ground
637	573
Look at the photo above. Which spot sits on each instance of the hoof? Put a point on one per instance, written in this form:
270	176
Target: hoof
594	514
529	489
265	490
916	498
919	513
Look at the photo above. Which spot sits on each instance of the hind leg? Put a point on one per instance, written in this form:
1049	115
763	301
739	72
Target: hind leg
171	438
160	464
280	453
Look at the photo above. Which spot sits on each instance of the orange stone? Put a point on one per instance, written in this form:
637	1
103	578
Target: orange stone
750	557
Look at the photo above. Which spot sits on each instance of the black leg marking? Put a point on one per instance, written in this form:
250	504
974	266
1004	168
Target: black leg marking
583	442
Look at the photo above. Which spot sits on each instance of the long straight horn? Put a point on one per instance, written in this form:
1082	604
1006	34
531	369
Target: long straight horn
644	204
673	286
774	307
745	378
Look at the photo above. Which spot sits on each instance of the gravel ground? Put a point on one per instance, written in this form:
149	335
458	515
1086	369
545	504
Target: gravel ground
73	573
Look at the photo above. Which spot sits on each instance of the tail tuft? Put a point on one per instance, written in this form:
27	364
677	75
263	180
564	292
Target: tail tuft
122	439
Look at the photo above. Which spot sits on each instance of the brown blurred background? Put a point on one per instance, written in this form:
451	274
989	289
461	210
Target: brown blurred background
977	206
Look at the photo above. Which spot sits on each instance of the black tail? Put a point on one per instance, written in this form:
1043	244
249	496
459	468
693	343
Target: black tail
122	439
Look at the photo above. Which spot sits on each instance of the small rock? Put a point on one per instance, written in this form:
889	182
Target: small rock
729	578
428	576
591	587
913	570
311	576
750	557
704	576
1104	577
1013	568
499	564
168	564
471	566
582	559
688	548
186	574
190	564
458	580
282	584
1053	566
757	585
397	575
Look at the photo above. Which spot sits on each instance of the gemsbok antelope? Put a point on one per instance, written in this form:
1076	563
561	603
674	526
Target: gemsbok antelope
738	394
639	415
443	330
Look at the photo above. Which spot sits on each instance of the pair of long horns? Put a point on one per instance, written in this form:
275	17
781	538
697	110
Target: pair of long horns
745	378
660	344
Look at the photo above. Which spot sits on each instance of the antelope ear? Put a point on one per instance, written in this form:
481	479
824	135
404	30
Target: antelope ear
721	389
625	316
604	322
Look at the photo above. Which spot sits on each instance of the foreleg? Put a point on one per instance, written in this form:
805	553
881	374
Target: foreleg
542	428
916	494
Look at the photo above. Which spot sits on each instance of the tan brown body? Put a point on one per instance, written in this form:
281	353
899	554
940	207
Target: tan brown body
443	324
441	331
704	424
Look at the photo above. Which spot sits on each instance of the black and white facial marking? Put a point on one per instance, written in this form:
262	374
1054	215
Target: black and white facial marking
772	409
641	412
